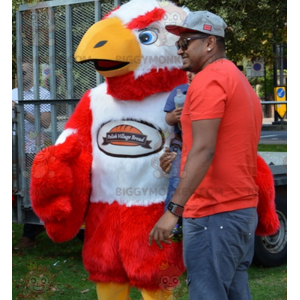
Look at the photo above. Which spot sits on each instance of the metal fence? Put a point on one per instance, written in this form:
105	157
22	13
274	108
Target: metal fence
48	34
49	81
36	125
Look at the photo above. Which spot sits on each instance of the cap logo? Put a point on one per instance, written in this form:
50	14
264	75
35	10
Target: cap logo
207	27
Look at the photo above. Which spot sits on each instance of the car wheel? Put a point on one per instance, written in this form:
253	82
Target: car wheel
271	251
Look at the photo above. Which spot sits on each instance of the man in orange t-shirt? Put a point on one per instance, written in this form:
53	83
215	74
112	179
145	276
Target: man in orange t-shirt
217	194
225	94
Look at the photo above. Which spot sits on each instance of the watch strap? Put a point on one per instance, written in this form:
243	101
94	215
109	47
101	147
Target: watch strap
175	209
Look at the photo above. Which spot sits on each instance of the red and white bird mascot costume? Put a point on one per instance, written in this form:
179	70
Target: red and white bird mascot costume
103	170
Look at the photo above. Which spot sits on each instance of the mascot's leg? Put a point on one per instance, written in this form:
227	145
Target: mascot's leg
116	250
157	295
113	291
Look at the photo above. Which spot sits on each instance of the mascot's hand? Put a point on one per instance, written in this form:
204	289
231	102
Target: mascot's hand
52	179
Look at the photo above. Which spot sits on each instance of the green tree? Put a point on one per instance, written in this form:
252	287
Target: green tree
254	25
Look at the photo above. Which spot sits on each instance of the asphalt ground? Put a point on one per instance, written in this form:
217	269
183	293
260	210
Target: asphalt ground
273	133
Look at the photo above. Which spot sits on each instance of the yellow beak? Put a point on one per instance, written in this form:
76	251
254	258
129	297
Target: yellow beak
113	48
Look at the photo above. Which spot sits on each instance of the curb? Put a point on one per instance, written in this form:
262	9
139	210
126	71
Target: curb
271	127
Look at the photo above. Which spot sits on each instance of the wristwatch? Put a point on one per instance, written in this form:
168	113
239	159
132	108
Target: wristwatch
175	209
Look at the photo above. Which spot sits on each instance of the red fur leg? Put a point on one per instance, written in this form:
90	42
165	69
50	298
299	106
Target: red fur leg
116	246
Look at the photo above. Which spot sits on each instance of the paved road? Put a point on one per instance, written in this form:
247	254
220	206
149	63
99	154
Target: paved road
273	137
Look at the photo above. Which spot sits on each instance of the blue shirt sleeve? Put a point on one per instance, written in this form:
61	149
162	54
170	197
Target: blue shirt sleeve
170	104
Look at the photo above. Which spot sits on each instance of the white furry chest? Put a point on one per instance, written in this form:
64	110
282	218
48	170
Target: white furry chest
128	137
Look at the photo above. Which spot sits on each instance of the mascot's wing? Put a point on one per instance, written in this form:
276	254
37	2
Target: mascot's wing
60	177
268	222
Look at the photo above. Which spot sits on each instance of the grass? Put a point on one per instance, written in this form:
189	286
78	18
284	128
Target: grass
63	261
62	266
268	283
272	147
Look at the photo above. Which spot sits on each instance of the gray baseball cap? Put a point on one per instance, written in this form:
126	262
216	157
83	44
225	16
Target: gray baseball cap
200	21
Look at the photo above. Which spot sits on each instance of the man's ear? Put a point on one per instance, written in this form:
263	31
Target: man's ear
211	43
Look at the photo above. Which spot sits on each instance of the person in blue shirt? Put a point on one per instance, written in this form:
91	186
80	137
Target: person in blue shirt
170	160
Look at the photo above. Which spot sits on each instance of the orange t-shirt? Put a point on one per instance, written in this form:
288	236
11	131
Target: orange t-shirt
221	90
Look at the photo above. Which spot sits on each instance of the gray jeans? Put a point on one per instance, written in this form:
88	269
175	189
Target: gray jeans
217	251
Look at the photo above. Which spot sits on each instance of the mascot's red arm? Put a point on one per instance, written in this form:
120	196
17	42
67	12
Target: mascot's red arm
60	178
268	222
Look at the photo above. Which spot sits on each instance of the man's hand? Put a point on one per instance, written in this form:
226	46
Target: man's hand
161	232
13	104
166	159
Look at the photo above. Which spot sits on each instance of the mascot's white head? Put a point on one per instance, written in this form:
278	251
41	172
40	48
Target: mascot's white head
131	44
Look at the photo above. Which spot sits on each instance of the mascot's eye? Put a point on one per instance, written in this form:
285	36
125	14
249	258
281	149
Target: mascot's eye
148	37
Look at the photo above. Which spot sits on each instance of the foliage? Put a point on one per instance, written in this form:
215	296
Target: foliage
265	85
254	25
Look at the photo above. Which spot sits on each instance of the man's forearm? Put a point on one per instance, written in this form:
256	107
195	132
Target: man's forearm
199	158
193	173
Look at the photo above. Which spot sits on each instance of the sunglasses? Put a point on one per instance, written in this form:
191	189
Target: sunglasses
184	43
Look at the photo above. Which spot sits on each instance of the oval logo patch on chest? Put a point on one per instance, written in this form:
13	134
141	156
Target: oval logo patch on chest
129	138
